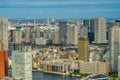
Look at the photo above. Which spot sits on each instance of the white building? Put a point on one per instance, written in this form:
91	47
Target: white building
114	43
72	34
100	30
41	41
22	65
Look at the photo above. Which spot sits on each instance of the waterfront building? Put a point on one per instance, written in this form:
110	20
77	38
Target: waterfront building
100	30
22	65
72	34
83	49
94	68
114	44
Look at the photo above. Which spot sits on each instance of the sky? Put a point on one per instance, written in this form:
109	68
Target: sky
59	8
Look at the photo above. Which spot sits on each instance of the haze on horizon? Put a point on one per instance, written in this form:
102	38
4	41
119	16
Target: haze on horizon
59	8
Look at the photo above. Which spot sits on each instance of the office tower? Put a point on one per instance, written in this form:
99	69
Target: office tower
91	25
118	21
17	35
72	34
3	64
114	43
63	32
27	35
4	33
55	37
86	23
83	49
100	30
37	32
83	32
22	65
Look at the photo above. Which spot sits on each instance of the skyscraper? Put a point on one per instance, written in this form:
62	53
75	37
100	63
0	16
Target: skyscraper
3	64
3	47
22	65
100	30
63	31
83	49
114	43
72	34
4	33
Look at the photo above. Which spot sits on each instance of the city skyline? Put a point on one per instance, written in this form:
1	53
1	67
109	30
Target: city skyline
59	9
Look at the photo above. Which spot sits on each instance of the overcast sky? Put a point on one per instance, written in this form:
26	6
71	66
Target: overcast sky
59	8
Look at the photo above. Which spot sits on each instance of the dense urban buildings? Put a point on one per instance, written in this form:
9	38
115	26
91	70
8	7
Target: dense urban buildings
62	47
22	65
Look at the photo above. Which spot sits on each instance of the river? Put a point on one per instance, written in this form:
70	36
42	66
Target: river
46	76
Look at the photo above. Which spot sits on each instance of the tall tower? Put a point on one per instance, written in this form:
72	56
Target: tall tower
114	43
3	47
4	33
63	31
22	65
83	49
100	30
72	34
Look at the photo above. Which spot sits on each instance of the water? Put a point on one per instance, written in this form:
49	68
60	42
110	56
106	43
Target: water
46	76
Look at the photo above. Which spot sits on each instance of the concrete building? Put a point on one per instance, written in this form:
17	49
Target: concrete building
3	64
119	67
3	34
114	43
41	41
63	31
72	34
100	30
3	47
22	65
83	32
83	49
94	68
17	36
27	35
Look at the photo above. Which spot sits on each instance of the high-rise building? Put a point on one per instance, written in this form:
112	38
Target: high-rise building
17	35
83	32
100	30
4	33
83	49
3	64
72	34
63	31
22	65
3	47
86	23
114	43
119	67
